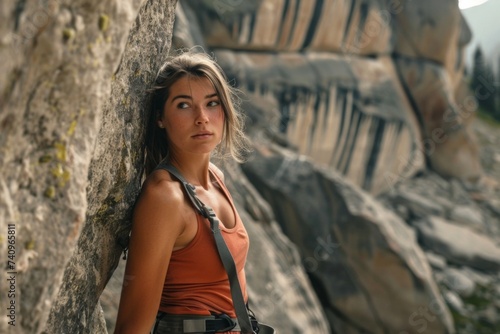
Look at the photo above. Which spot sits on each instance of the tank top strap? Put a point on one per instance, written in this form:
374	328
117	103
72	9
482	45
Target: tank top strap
222	185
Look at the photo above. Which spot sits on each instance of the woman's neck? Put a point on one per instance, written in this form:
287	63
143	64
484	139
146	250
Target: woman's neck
193	168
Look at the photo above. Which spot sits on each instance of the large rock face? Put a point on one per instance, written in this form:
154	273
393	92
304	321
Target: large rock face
430	39
367	88
364	260
115	171
347	114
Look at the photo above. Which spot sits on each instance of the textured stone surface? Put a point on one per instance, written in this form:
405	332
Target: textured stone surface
277	25
359	256
434	31
372	119
450	149
350	115
430	38
418	206
115	170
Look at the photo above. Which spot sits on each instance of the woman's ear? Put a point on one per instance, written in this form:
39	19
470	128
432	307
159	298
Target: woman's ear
160	124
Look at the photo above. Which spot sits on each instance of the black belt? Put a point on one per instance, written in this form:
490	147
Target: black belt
184	324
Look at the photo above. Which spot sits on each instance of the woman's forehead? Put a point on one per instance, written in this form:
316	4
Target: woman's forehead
192	86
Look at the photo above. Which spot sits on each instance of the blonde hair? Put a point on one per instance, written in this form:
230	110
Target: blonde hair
234	141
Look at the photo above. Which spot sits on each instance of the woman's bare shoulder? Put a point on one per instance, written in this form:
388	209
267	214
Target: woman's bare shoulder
160	183
161	193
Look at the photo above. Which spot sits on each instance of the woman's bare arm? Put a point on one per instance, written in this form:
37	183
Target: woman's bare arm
157	222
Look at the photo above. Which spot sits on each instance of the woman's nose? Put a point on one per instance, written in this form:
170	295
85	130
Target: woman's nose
202	116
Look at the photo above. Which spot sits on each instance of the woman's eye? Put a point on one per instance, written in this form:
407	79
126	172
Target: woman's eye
213	103
183	105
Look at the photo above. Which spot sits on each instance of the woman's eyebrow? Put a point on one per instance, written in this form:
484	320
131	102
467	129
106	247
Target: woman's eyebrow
182	97
189	97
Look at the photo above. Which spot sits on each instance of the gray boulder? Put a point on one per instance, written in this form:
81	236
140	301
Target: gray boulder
459	282
468	216
359	256
459	244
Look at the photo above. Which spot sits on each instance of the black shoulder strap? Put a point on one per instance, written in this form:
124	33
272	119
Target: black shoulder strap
189	188
224	253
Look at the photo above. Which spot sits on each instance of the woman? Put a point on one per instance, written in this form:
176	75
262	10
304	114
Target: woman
173	268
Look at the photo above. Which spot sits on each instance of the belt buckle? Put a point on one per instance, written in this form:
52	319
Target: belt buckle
231	323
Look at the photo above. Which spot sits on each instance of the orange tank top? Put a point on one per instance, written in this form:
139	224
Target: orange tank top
196	281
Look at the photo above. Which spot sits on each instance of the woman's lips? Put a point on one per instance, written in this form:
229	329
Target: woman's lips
203	135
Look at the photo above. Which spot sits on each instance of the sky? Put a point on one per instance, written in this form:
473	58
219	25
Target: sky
464	4
484	22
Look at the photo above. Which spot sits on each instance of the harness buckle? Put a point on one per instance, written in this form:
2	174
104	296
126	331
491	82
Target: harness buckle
208	212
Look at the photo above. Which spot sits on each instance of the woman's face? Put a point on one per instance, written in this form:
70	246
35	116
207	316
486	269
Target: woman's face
192	116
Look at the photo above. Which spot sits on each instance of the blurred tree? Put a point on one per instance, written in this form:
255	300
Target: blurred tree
483	84
490	86
497	85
